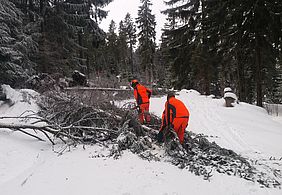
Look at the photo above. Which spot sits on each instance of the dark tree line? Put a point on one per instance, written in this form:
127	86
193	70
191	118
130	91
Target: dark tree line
50	36
129	49
206	44
211	44
60	36
116	53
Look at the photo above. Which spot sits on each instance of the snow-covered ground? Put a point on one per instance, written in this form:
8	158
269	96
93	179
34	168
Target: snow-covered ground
32	167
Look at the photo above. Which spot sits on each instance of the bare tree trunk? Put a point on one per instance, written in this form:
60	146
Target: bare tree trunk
241	77
205	52
151	74
258	72
131	58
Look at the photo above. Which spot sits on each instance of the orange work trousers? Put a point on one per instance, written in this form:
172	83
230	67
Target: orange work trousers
144	113
179	126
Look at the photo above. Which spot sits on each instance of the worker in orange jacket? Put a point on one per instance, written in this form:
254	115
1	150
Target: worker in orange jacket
142	96
175	115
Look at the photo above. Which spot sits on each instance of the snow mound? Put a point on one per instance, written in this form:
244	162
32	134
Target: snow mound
227	89
190	91
10	93
22	102
230	95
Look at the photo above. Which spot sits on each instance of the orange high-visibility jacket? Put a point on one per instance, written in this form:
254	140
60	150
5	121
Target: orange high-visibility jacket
142	94
174	108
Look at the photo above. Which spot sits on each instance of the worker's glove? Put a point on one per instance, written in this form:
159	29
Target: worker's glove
136	107
139	110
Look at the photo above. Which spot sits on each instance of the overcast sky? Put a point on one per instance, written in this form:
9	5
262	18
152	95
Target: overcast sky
118	9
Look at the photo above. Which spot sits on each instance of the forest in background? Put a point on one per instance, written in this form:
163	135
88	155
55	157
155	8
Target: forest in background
206	44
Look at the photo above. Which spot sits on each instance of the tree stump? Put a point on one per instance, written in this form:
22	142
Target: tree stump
229	101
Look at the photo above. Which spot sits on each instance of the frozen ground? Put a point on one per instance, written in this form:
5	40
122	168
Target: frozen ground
32	167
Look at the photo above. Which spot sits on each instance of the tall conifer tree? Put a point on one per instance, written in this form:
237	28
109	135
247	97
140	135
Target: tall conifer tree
130	32
124	53
146	36
16	46
112	48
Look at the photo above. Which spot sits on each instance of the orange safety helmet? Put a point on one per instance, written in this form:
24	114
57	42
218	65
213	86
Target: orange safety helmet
134	83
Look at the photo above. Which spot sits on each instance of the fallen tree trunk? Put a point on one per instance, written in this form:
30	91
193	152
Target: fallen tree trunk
22	126
57	131
94	89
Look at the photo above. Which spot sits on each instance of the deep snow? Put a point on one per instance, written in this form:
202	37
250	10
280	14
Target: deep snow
29	166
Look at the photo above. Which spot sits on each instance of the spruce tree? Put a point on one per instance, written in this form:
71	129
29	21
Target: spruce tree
130	32
112	51
68	30
187	37
15	46
146	36
123	50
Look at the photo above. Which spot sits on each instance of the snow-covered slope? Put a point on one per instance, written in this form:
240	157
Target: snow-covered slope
244	128
28	166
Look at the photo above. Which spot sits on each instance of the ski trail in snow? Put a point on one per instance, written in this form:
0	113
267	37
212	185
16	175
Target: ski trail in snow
27	160
24	182
22	157
24	153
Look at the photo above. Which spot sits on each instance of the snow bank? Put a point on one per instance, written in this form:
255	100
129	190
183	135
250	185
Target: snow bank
24	103
230	94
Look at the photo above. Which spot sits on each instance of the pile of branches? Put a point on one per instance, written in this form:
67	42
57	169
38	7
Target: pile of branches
76	121
203	157
197	154
68	118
